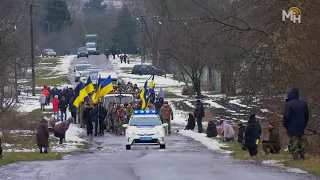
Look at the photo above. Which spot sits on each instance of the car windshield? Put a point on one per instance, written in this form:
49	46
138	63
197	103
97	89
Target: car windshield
82	62
145	121
49	50
82	49
91	45
82	67
84	74
93	76
117	99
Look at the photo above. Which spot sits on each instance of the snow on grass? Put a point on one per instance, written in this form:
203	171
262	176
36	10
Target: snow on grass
264	110
21	132
28	105
214	104
189	104
277	163
64	66
74	133
237	102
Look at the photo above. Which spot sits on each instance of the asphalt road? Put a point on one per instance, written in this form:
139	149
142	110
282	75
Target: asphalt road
184	159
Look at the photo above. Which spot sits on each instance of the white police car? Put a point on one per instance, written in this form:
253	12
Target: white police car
145	128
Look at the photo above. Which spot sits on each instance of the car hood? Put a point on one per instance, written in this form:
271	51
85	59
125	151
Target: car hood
144	129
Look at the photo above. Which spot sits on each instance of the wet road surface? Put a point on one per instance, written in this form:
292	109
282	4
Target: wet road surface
183	159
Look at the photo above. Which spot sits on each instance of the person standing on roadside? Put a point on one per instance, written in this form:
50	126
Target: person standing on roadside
199	114
121	58
42	136
55	106
42	100
128	59
63	105
166	114
295	120
86	116
125	58
252	135
73	110
95	118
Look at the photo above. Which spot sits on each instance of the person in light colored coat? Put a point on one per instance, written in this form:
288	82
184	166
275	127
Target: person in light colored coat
42	100
228	132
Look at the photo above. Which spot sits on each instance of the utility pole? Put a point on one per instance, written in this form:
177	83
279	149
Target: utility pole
33	74
15	68
143	36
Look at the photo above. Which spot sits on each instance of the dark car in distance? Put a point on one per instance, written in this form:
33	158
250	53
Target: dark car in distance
82	52
49	53
147	70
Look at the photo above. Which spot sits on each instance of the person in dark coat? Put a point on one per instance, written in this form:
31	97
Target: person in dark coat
252	135
273	144
241	133
73	110
191	122
61	129
86	116
199	114
95	118
295	120
63	105
125	58
212	129
42	136
102	117
158	104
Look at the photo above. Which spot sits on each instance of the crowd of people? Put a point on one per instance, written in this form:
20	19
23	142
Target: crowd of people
295	120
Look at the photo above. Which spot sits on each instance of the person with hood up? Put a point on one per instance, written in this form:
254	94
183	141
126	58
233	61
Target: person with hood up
55	106
273	145
54	91
228	132
199	114
295	120
42	136
73	110
252	135
212	129
61	129
166	114
191	122
42	100
86	116
102	117
63	105
161	93
95	118
1	156
242	129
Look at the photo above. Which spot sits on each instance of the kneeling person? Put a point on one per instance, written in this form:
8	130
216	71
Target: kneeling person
273	145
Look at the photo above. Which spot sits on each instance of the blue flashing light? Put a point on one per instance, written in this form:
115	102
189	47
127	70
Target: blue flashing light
144	112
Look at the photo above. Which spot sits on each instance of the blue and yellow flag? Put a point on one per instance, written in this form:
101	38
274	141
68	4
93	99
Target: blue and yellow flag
78	97
89	86
95	96
143	97
105	87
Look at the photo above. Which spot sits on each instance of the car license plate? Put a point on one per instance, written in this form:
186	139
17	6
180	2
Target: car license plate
145	138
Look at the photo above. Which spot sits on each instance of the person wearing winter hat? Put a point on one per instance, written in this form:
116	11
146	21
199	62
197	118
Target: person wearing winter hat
252	135
51	122
55	106
273	145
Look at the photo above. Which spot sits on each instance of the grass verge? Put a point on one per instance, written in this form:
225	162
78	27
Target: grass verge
12	157
127	70
40	112
50	82
53	60
311	164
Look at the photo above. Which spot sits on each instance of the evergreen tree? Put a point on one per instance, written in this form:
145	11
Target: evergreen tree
124	32
57	16
94	6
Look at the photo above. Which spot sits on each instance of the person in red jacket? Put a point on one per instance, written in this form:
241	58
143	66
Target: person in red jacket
55	106
121	58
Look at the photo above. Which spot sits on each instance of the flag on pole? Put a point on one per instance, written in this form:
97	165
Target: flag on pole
143	96
105	87
95	96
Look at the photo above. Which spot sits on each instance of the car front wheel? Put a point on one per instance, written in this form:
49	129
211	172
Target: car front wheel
162	146
128	147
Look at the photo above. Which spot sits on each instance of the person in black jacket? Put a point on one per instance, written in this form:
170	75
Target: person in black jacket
102	117
73	110
252	135
212	129
191	122
63	105
95	118
295	120
199	114
242	130
86	116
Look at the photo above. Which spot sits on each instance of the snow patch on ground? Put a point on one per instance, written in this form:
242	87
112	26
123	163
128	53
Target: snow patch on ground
189	104
264	110
237	102
74	133
277	163
65	65
214	104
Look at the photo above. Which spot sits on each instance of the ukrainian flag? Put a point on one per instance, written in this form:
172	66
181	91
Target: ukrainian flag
79	95
95	96
89	86
105	87
143	96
